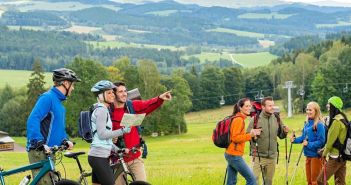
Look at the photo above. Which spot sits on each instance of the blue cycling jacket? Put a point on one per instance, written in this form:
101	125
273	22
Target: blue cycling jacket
316	138
46	122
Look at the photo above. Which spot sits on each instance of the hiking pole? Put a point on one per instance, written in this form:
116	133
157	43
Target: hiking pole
286	161
293	132
297	164
325	170
225	175
259	162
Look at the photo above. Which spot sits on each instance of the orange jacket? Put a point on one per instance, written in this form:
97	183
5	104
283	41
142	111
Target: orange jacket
238	136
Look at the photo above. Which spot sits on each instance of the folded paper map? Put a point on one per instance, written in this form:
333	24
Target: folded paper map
132	119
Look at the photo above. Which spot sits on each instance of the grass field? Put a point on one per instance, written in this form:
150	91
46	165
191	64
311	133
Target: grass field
82	29
118	44
244	59
340	23
163	12
273	15
187	159
19	78
254	59
238	32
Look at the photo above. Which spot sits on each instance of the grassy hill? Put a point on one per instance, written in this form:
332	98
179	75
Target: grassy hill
185	159
244	59
19	78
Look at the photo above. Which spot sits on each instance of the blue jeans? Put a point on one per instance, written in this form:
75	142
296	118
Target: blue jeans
237	164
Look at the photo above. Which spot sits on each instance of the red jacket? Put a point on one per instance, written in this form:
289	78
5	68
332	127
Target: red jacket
132	139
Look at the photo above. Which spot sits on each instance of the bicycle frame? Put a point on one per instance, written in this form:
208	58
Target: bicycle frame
46	166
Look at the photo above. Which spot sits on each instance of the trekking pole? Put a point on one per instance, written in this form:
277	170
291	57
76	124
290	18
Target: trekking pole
297	164
293	132
324	170
259	162
286	161
225	175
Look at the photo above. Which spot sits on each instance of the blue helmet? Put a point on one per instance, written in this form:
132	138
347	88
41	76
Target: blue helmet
102	86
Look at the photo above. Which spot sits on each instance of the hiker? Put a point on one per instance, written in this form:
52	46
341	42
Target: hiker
102	145
133	139
313	139
235	151
266	148
47	121
336	132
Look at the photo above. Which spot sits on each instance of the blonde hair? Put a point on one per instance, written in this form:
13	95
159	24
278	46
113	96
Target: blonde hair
318	114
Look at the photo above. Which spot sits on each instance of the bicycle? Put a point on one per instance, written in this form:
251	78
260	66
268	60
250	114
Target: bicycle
118	167
45	166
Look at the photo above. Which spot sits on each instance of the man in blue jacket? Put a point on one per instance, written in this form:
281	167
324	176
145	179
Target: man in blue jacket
46	123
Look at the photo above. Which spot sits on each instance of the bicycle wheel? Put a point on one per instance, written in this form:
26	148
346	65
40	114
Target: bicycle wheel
128	178
66	182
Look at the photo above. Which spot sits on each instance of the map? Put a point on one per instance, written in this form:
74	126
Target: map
132	119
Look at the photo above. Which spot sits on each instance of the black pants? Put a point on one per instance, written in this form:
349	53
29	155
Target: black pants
102	173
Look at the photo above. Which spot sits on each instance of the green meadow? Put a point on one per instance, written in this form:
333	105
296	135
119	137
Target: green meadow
119	44
339	23
19	78
244	59
273	15
186	159
247	33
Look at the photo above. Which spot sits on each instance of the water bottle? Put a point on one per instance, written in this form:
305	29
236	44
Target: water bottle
25	180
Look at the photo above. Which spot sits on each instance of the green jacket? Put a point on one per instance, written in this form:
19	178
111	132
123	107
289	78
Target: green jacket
267	141
336	131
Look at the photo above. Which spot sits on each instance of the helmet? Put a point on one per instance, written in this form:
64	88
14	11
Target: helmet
101	86
336	102
63	74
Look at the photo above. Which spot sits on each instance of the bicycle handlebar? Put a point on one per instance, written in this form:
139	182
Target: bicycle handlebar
133	149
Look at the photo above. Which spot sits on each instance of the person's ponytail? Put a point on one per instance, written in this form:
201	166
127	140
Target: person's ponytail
239	105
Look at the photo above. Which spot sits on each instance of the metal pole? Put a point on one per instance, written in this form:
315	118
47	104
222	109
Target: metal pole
289	85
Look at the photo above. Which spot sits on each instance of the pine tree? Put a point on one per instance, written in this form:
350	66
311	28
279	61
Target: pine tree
36	84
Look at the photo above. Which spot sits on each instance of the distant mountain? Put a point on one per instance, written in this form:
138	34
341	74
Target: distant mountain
172	23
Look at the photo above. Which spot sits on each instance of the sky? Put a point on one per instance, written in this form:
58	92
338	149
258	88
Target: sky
324	2
312	1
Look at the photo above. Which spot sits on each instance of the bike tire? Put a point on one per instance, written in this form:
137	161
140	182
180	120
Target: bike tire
128	178
67	182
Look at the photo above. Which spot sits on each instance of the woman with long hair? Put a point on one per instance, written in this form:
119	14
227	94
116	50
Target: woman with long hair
235	150
313	139
336	136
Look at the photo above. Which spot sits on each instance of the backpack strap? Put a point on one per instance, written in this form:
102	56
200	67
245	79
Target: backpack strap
130	107
255	121
131	110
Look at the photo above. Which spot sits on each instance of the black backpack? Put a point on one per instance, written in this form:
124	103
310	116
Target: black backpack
84	124
345	149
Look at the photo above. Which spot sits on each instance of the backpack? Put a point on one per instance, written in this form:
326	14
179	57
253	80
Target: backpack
345	149
221	134
255	113
84	124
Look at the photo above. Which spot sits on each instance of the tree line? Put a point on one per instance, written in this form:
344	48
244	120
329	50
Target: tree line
320	71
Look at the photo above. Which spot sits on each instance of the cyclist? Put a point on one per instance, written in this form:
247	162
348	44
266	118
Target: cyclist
46	122
102	144
132	139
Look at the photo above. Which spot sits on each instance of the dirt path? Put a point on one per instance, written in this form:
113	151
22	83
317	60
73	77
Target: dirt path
19	148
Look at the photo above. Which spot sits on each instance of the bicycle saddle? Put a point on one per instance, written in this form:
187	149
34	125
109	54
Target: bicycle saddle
73	154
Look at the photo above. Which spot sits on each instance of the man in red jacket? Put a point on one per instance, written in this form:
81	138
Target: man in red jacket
132	139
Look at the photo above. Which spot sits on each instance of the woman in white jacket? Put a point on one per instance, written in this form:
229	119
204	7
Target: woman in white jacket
102	144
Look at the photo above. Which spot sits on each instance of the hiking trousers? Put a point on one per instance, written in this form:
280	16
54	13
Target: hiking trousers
268	165
313	168
335	167
137	168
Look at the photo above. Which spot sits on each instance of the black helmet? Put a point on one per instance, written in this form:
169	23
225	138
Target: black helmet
63	74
